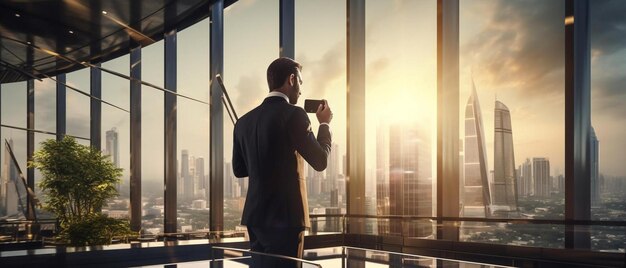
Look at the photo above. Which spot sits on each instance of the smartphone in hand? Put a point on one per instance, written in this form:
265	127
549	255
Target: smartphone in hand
310	106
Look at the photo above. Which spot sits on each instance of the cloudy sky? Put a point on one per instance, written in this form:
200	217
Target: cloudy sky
513	48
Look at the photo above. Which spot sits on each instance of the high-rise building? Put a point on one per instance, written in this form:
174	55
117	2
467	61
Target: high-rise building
243	183
476	199
561	183
8	191
199	178
382	177
112	146
504	191
112	149
228	180
187	179
410	178
541	176
332	171
525	179
594	148
314	182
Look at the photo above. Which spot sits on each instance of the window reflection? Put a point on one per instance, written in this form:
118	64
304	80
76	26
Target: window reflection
400	101
77	104
244	77
152	139
512	127
608	173
115	133
193	127
322	53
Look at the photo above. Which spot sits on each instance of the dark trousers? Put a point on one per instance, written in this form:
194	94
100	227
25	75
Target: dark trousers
280	241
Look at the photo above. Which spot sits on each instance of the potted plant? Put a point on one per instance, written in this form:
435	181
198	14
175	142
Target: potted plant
77	181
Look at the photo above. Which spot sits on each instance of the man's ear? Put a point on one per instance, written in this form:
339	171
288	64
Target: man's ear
291	80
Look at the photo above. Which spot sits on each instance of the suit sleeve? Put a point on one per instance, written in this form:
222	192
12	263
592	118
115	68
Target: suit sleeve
240	168
314	151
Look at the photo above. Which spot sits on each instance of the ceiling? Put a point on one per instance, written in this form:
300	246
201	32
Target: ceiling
48	37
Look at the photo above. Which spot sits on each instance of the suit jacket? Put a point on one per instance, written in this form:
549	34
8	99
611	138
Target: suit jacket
267	142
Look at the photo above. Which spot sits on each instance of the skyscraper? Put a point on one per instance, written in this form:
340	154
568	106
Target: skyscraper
561	183
112	146
314	182
199	178
382	178
594	147
112	149
410	178
8	191
476	198
525	182
504	191
229	180
187	180
541	176
332	172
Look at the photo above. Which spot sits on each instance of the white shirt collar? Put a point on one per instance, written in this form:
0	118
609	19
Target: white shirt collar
278	94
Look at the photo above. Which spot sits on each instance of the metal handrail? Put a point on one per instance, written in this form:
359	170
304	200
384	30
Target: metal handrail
422	256
616	223
244	251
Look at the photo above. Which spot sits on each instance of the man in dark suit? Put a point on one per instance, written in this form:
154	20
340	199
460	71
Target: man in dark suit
269	144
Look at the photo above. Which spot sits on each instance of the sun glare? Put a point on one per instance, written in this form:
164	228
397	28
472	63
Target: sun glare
402	108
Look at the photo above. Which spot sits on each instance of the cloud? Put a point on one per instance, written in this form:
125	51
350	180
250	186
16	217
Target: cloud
608	26
520	45
250	91
319	74
608	96
45	105
608	39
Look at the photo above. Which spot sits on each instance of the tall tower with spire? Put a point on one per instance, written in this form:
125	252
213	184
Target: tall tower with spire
476	198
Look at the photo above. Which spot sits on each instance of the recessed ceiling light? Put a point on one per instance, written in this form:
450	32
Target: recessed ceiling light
28	43
71	32
104	12
17	15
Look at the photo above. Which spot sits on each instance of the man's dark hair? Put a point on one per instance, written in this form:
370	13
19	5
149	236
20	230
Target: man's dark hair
280	70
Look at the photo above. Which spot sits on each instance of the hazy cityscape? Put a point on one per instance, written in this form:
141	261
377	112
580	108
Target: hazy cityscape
523	189
403	186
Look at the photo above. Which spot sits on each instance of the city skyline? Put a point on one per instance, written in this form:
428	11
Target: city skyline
469	31
517	81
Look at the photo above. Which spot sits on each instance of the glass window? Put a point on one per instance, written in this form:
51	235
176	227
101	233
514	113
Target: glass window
608	120
78	105
152	138
13	97
321	49
401	98
250	45
14	115
608	53
193	127
115	133
14	104
45	105
512	117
